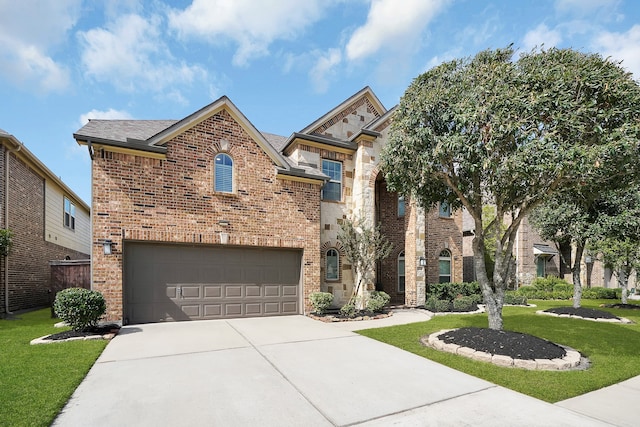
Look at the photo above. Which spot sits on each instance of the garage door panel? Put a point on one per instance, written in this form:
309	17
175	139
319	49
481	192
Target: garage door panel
214	282
271	290
212	291
191	292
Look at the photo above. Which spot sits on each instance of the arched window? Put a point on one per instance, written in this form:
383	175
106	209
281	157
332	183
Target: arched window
444	266
332	264
223	173
401	276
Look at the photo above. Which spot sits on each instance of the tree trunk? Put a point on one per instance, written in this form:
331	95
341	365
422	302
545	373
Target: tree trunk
623	278
575	270
493	301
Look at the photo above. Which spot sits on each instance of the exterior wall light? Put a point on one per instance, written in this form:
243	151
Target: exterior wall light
106	247
422	262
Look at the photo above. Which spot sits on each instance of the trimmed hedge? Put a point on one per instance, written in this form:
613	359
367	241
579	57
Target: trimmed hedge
80	308
321	301
377	300
512	298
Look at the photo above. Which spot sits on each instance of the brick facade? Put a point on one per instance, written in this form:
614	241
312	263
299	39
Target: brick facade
28	261
172	200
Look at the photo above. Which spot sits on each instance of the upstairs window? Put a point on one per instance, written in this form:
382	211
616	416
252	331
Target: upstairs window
69	214
444	210
332	190
401	206
332	264
223	170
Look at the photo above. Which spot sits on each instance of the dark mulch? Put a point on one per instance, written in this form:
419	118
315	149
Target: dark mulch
506	343
98	330
582	312
624	306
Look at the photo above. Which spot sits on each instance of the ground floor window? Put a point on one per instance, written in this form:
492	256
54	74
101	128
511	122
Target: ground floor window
332	264
541	267
401	275
444	266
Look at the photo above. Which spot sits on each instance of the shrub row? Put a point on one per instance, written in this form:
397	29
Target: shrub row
321	301
555	288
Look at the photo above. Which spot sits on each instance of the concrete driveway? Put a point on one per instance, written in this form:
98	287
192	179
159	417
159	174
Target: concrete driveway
286	371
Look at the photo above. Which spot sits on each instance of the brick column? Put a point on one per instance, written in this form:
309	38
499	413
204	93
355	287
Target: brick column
415	277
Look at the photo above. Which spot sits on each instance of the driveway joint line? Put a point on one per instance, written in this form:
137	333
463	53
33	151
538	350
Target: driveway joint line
159	356
284	376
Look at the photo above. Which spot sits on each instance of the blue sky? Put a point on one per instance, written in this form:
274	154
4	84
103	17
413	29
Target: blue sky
284	63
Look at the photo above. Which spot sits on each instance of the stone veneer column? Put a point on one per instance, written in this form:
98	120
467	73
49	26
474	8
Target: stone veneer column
414	248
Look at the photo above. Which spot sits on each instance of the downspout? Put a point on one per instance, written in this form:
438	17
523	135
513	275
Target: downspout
7	156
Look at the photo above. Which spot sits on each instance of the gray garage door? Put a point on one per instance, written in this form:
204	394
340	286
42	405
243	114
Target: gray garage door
166	282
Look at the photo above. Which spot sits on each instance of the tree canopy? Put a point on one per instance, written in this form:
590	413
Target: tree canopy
491	130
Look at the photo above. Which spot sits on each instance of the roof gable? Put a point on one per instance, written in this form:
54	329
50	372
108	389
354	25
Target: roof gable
364	96
223	103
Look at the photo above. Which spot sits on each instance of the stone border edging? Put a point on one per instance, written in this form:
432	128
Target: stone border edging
599	319
332	319
44	340
572	360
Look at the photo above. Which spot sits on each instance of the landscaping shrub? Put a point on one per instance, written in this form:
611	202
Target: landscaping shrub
563	287
321	301
512	298
430	304
377	301
442	305
449	291
348	310
599	293
80	308
547	283
464	303
561	294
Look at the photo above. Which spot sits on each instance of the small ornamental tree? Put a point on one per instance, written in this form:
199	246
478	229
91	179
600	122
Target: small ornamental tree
363	246
490	131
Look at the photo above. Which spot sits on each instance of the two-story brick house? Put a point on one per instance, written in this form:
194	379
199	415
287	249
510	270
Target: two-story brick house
48	222
207	217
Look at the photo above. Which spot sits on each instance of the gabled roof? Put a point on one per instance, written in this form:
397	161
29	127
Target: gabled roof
151	136
347	104
21	150
378	124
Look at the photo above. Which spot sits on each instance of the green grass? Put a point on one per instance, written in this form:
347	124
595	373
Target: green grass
613	349
37	380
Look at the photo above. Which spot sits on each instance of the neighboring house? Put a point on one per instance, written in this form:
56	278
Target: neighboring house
207	217
536	257
47	219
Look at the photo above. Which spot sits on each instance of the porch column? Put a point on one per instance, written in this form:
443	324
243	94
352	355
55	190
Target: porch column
414	249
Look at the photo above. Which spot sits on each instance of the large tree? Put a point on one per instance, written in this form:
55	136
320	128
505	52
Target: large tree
488	130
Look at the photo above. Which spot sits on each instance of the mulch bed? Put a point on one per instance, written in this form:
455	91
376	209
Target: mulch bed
98	330
507	343
588	313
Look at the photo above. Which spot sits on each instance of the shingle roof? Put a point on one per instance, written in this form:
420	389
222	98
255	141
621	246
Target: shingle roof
120	130
277	141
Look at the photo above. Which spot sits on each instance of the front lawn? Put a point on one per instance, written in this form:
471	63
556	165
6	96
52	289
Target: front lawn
613	349
37	380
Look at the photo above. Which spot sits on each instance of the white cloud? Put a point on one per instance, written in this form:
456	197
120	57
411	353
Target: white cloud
392	25
130	54
584	7
28	31
621	47
324	68
252	25
539	36
109	114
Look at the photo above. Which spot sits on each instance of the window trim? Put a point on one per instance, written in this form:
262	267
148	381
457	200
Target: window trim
215	173
69	223
333	181
401	257
326	265
447	257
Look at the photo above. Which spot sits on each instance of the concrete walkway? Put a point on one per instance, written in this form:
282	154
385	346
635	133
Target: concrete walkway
289	371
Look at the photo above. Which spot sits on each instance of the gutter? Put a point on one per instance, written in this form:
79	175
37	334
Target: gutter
7	156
